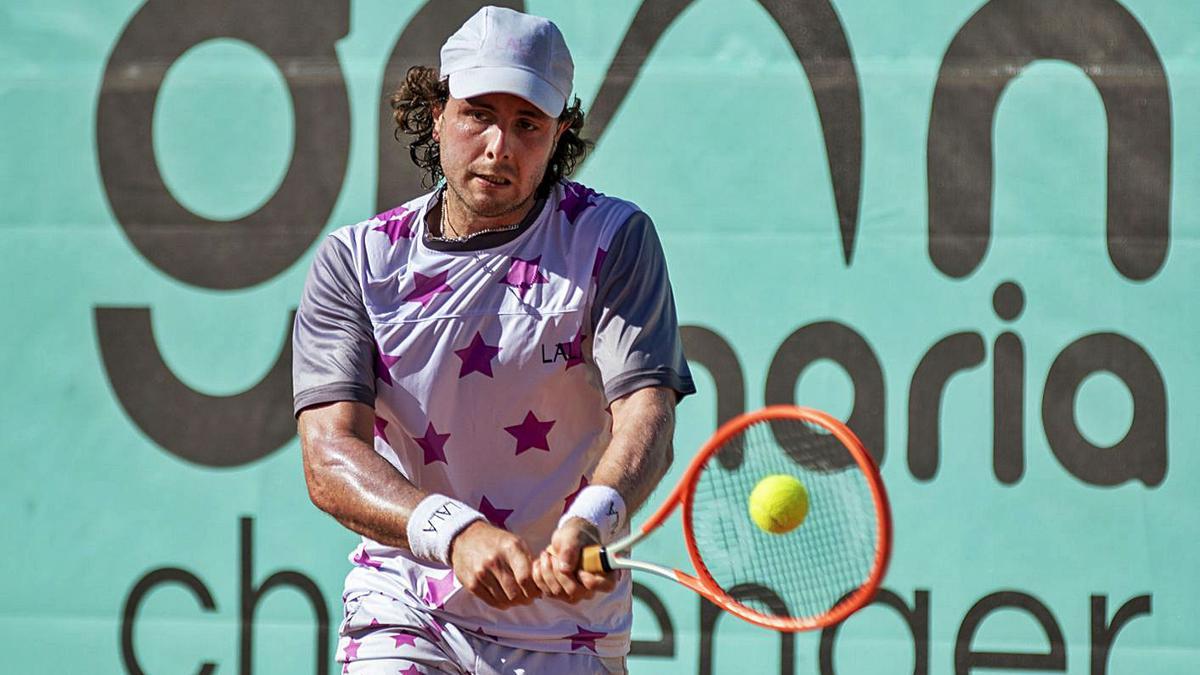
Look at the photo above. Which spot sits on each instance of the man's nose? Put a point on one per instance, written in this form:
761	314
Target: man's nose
498	146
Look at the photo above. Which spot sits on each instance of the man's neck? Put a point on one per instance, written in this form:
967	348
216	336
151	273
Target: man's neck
462	222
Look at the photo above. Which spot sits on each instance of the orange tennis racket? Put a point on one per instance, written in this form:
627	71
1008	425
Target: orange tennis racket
812	576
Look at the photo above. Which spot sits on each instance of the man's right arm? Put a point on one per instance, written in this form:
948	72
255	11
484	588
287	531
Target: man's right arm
350	481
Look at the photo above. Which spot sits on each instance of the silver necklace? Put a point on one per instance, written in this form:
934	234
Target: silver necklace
457	239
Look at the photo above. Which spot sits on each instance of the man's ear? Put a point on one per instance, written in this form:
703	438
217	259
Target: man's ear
437	123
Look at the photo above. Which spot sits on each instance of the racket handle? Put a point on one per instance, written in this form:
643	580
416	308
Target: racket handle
595	560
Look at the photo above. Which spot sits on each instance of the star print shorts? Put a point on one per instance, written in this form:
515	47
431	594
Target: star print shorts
381	636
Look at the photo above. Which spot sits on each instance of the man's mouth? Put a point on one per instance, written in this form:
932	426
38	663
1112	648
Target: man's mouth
494	180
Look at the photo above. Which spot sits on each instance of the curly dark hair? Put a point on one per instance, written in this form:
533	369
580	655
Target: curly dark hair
412	108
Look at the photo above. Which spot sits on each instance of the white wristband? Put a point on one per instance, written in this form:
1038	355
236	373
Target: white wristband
433	525
601	506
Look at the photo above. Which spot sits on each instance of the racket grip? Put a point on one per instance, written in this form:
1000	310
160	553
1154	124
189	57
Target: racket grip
595	560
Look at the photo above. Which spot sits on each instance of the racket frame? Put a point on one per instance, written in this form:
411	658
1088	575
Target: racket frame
702	582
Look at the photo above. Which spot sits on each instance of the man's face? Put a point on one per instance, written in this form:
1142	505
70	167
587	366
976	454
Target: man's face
494	150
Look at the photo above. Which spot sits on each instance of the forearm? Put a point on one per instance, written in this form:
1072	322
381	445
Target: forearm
350	481
640	451
366	493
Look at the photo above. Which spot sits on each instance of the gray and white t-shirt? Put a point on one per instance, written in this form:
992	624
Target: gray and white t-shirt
490	365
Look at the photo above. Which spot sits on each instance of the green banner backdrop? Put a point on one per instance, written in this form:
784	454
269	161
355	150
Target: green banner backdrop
969	227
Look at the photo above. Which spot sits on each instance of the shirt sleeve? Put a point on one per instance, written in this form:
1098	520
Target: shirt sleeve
636	341
332	342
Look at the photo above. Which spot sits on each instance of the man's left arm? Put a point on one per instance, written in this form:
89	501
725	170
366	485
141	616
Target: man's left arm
641	448
639	354
636	459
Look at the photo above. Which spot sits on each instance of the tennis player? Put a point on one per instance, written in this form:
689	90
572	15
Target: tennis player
485	377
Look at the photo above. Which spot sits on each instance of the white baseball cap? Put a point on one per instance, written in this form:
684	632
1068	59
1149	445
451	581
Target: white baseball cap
500	50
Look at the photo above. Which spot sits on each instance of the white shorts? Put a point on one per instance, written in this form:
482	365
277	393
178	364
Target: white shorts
380	635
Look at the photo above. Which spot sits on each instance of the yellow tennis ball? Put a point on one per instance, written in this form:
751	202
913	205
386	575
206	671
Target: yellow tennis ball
778	504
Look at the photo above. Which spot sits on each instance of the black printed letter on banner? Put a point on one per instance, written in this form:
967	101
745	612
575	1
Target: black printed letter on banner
133	605
299	37
916	617
1142	453
664	647
949	356
968	660
208	430
708	349
709	613
993	47
817	37
842	345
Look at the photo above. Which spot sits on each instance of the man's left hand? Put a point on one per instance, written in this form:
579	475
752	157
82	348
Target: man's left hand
556	571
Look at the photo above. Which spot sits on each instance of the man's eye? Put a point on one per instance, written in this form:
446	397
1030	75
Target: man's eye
477	116
527	125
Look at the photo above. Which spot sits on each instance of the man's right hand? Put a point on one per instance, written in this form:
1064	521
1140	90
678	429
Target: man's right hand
493	564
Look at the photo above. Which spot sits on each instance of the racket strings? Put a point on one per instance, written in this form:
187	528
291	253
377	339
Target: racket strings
810	569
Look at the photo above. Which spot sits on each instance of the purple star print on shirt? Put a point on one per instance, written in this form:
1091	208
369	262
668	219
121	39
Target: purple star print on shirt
524	275
584	639
494	515
425	289
531	433
583	482
476	357
438	590
380	425
397	224
576	199
404	639
575	353
383	366
364	559
434	445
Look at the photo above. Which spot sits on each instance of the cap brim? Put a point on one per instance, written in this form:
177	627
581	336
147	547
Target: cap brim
508	80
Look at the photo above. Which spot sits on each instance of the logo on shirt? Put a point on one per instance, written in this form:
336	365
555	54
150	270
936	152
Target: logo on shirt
570	352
